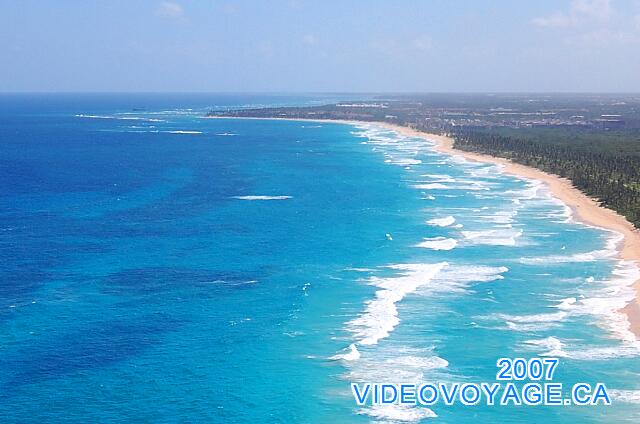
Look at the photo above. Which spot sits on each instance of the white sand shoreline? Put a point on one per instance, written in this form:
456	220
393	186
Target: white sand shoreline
585	209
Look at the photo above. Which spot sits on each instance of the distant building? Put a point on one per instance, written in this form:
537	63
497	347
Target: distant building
610	124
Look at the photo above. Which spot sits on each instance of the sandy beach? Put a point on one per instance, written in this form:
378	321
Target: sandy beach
585	209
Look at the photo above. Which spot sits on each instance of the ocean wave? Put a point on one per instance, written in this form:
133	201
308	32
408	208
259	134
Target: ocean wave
559	259
530	192
442	222
381	314
566	303
440	178
356	269
599	353
624	396
431	186
533	318
395	413
405	162
471	273
420	362
261	197
527	323
606	299
470	186
609	252
123	118
502	217
550	346
394	363
351	354
438	243
493	237
455	279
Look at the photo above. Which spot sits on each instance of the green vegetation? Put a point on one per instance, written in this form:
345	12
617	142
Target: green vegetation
604	165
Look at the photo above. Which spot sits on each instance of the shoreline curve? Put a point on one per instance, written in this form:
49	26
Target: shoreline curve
584	208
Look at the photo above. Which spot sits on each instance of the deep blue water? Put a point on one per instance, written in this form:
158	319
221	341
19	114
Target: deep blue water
161	267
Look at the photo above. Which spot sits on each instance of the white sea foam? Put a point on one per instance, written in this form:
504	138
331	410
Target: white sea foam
470	186
381	315
397	413
431	186
493	237
183	132
440	178
397	363
438	243
529	327
559	259
356	269
226	134
421	362
586	352
260	197
605	299
528	323
454	279
406	162
550	346
567	303
609	252
624	396
442	222
534	318
351	354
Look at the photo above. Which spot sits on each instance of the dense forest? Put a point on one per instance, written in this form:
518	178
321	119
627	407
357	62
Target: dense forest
605	167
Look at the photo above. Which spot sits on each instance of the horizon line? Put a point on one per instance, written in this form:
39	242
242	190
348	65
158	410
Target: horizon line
290	93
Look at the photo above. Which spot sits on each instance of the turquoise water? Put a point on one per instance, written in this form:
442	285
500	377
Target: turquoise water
161	267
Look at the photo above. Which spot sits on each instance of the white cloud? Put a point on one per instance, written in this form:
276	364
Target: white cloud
171	10
595	9
555	20
593	24
580	11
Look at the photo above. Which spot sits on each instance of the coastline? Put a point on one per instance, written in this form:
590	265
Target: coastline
585	209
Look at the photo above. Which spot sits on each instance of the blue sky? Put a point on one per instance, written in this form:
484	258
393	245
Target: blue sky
320	46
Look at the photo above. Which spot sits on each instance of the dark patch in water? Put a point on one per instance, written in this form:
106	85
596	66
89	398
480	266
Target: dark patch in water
98	345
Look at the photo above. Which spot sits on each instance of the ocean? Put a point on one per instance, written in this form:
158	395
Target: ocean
158	266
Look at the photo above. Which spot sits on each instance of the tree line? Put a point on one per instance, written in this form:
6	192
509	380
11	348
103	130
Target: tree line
611	177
